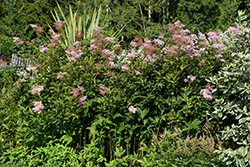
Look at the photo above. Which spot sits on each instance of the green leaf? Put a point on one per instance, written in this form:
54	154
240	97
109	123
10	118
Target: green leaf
242	162
142	113
66	138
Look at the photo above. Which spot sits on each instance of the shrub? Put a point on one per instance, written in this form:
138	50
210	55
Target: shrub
92	92
53	154
232	108
169	149
6	43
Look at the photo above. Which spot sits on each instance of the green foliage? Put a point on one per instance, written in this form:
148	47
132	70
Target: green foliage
95	97
233	109
53	154
14	22
5	44
169	149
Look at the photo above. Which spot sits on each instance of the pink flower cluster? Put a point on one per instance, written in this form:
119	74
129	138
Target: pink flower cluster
97	45
17	40
73	53
60	75
38	107
3	63
59	25
81	100
133	54
77	91
103	89
213	36
35	67
158	42
125	67
37	29
36	89
233	30
56	38
106	54
206	92
43	49
132	109
219	47
189	78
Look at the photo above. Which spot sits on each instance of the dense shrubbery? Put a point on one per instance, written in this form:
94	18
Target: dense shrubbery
108	103
233	109
94	93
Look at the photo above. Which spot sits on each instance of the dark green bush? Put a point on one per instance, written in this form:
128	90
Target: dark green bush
5	44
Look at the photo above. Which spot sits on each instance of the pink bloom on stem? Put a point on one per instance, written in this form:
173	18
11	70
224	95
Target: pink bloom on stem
206	94
178	24
81	89
36	89
184	32
3	63
33	26
202	36
232	30
212	36
137	72
16	39
20	42
147	41
77	43
111	63
110	39
51	32
133	43
193	36
209	87
117	49
133	54
35	67
191	78
132	109
218	56
82	100
75	92
106	53
103	89
43	49
60	75
36	28
92	48
38	107
219	47
158	42
56	38
125	67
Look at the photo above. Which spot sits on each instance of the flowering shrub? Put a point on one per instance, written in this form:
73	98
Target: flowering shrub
93	91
